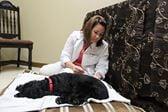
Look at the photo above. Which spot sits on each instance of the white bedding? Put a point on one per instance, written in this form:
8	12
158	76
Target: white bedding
8	103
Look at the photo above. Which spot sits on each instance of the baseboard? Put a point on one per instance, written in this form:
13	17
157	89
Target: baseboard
37	64
34	64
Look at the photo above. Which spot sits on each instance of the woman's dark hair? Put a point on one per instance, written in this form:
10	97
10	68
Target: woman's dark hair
89	25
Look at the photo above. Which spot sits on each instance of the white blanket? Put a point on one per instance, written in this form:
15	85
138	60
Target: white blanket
9	103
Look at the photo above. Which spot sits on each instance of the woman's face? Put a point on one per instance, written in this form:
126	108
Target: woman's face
97	33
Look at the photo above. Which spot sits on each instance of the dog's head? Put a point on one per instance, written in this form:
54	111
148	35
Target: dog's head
29	92
33	89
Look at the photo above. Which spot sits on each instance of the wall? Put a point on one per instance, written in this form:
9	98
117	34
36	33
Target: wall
49	22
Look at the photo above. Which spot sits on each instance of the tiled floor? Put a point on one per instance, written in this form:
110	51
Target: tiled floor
8	73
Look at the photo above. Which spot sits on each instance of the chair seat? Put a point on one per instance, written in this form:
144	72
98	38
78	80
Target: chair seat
13	42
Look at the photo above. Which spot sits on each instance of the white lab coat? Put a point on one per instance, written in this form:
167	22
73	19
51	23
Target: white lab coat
95	59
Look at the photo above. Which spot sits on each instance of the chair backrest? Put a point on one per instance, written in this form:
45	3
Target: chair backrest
9	20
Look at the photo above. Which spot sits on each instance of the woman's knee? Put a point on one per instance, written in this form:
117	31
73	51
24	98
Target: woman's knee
51	69
44	69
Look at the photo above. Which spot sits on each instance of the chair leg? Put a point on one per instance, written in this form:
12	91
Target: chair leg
18	60
0	61
30	58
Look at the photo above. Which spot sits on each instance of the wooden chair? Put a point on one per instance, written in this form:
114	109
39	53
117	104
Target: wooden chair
10	34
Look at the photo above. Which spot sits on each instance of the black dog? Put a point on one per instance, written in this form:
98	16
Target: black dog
71	88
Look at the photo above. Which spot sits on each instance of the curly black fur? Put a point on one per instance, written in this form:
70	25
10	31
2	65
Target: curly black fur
71	88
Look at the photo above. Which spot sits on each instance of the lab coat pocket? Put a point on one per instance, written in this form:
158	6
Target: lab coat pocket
90	59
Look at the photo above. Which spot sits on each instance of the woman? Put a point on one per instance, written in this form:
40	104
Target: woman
84	52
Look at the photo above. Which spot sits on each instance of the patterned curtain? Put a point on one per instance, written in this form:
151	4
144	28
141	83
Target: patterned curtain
137	33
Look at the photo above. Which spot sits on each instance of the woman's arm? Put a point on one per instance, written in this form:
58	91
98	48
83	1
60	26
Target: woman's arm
66	55
102	66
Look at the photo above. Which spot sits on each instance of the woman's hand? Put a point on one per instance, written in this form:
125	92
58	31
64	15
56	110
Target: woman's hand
75	68
97	76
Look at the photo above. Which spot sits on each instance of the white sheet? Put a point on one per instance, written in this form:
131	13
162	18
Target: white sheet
8	103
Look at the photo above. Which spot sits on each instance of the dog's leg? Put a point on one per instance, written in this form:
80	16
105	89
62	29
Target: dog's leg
70	99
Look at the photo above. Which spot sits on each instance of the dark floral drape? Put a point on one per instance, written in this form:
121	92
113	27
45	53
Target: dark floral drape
137	33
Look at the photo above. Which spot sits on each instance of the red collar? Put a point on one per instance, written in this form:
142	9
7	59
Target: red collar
50	85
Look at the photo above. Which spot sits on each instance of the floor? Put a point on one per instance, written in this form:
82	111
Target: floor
8	73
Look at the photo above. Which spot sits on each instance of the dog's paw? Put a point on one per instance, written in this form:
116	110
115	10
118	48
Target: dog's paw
75	102
15	95
18	95
58	100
